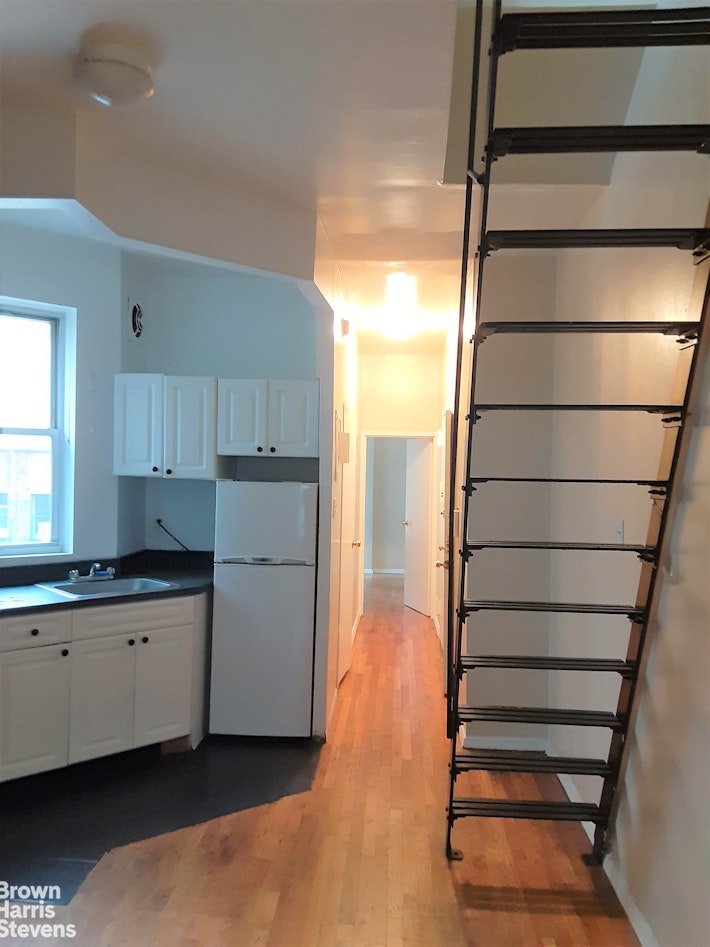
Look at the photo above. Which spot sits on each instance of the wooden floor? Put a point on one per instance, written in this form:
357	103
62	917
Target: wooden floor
359	860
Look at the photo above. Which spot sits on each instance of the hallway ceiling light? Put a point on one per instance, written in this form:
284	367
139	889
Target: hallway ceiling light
114	73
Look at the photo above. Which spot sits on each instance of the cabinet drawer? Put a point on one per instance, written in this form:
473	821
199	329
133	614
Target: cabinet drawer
32	631
132	617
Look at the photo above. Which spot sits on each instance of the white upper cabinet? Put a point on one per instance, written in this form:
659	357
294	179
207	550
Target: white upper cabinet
242	419
165	426
138	425
271	418
190	428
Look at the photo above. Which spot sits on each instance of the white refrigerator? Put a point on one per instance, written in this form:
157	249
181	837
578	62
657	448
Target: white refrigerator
264	609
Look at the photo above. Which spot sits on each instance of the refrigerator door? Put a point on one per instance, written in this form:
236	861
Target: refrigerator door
262	650
266	520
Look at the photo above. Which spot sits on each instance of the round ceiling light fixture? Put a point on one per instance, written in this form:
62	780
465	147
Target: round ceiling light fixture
114	73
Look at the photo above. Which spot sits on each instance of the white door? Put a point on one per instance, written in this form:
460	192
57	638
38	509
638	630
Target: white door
242	416
163	685
417	522
34	704
102	696
138	425
442	529
190	434
350	549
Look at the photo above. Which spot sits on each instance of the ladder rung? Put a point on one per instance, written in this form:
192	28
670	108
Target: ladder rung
514	809
472	546
679	238
571	607
647	408
680	329
575	29
501	761
470	662
654	484
595	138
541	715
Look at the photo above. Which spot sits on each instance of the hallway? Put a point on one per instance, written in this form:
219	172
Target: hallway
359	859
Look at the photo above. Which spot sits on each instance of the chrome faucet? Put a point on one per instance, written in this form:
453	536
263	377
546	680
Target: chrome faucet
96	573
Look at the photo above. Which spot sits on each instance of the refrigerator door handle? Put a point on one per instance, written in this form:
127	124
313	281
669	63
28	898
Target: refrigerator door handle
262	561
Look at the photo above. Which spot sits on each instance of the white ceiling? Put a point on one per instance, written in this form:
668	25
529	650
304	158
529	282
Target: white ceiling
335	106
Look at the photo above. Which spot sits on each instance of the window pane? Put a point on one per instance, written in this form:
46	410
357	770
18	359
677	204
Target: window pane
25	372
25	489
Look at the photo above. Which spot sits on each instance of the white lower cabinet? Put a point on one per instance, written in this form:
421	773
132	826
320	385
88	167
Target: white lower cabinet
102	696
126	675
34	709
163	697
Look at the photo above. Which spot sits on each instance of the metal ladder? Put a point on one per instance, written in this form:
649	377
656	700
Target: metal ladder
535	31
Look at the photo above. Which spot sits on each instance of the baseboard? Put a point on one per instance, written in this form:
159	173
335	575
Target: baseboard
389	571
367	571
526	744
639	923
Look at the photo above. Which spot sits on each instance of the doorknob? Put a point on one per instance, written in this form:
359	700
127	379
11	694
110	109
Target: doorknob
405	522
356	542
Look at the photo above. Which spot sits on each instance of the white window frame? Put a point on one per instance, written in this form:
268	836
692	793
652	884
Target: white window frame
61	431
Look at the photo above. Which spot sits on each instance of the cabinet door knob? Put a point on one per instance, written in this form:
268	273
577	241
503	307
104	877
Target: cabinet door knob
259	450
131	641
34	632
145	640
154	469
65	652
272	450
168	471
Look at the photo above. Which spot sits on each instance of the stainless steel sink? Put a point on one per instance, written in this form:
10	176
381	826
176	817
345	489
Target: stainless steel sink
103	588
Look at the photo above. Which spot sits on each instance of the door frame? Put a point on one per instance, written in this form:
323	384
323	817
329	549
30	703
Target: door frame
431	437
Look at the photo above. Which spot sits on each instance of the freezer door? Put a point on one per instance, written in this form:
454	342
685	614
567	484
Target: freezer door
262	650
266	520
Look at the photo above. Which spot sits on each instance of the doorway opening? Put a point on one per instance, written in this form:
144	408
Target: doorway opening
398	514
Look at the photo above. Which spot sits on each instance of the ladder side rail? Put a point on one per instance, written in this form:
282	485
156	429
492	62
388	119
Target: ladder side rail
451	654
673	457
484	180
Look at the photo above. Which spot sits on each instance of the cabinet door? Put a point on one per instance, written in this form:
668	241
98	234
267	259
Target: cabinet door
190	434
102	696
138	425
242	416
163	685
293	418
34	710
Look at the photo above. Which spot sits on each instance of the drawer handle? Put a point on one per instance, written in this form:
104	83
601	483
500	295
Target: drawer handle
131	641
146	639
65	652
34	632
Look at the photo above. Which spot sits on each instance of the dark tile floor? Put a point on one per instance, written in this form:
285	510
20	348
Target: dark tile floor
54	827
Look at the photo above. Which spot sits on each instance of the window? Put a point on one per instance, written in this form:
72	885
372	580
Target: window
35	508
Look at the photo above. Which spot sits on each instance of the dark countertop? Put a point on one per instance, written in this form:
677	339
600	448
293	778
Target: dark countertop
190	576
30	598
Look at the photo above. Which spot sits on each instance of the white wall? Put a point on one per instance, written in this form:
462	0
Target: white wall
659	856
401	393
204	321
50	268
